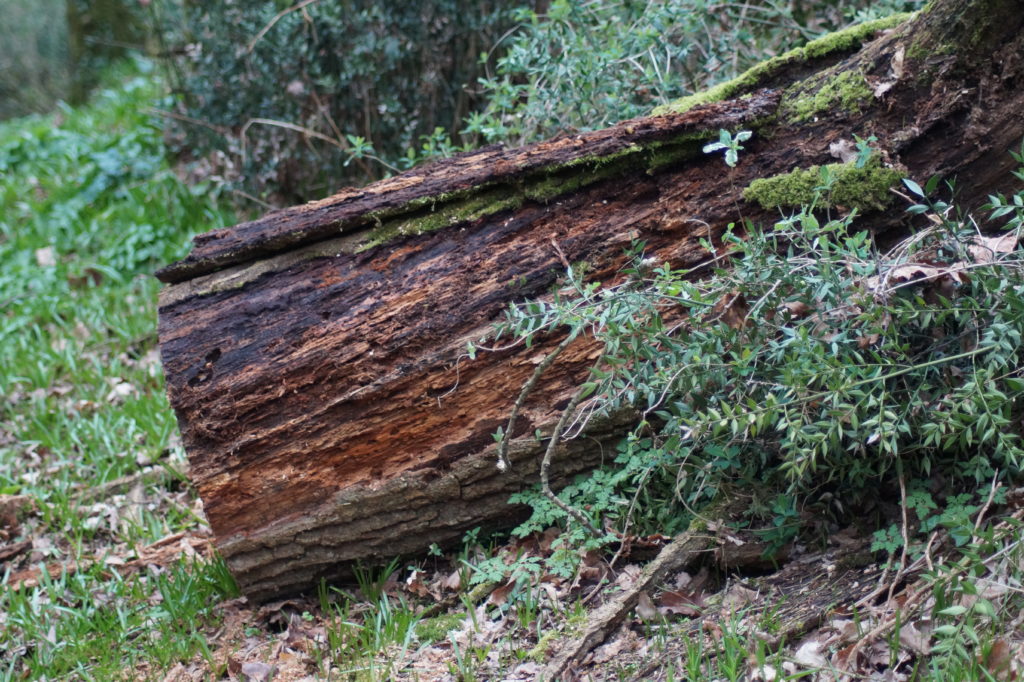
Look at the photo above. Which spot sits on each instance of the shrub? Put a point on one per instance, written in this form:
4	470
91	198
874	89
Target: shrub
333	93
809	360
582	66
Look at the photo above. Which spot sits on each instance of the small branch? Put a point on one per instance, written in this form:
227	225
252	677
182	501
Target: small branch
679	554
270	24
503	463
545	466
220	130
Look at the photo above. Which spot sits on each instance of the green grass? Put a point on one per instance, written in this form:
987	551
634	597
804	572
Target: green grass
88	208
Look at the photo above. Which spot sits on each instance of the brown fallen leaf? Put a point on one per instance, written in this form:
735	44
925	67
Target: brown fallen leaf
737	597
998	661
796	309
645	607
680	603
987	249
454	581
257	672
500	594
731	309
14	550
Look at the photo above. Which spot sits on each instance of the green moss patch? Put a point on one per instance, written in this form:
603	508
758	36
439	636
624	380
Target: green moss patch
436	629
846	91
454	213
864	188
840	41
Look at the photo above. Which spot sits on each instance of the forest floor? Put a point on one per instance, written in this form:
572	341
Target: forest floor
109	571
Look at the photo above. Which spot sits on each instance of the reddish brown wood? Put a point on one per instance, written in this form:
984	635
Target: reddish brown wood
325	399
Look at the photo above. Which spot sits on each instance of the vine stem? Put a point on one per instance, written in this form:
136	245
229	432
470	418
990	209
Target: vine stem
545	465
503	463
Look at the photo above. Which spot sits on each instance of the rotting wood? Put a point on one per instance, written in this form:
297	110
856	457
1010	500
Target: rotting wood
316	357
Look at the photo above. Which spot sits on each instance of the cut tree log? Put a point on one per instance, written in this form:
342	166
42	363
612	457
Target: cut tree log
316	357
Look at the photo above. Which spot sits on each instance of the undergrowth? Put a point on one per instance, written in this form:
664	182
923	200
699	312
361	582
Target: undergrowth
88	208
818	374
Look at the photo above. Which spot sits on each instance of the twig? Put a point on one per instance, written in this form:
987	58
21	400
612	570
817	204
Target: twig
157	474
246	195
545	466
679	554
503	463
339	143
984	508
270	24
220	130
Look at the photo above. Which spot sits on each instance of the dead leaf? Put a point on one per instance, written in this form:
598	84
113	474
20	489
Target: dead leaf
645	607
999	660
759	673
737	597
11	506
907	272
809	654
89	276
732	309
897	62
453	582
14	550
46	257
796	309
257	672
414	583
987	249
136	500
681	603
627	576
500	594
626	641
915	639
879	89
869	340
120	390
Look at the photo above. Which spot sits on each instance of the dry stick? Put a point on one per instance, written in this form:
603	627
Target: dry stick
682	552
503	463
157	475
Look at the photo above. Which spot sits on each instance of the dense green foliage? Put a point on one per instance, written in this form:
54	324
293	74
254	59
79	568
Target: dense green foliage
370	81
810	363
33	56
583	66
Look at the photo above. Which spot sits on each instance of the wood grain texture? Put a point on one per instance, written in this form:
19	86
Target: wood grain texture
320	379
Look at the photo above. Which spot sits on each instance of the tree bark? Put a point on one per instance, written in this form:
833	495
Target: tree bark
316	358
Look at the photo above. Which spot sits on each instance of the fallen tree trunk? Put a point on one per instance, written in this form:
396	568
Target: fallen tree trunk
316	357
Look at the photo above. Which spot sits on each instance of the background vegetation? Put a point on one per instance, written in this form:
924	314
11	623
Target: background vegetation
819	373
